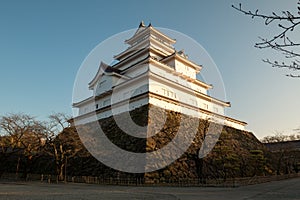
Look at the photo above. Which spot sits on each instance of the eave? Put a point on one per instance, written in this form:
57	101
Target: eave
138	47
138	54
149	30
99	73
83	102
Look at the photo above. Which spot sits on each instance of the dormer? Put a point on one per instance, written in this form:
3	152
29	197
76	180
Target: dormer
106	78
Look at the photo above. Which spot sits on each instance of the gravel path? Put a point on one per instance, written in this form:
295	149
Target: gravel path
286	189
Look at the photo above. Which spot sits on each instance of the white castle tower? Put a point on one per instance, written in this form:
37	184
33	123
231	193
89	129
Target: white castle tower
150	71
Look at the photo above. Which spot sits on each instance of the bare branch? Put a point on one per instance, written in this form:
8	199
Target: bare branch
295	65
281	42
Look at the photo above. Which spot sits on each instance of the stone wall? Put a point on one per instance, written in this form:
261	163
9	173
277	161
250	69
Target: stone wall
232	155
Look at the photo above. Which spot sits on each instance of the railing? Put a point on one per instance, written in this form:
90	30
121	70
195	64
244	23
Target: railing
232	182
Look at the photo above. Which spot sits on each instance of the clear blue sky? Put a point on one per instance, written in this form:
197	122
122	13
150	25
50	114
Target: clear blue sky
43	43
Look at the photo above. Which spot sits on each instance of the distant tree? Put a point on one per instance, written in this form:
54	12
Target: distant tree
286	41
5	152
297	134
285	157
279	137
293	137
24	136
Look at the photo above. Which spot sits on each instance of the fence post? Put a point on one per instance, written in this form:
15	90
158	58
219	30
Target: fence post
49	178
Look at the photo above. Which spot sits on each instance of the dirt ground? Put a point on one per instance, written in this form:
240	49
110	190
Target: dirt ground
286	189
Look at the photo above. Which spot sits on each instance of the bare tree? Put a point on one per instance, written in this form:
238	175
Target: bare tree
279	137
63	141
23	135
286	41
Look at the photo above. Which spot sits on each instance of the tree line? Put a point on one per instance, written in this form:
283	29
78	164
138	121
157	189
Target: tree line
26	142
285	151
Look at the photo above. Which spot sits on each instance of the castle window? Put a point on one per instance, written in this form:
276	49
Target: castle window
169	93
205	106
97	106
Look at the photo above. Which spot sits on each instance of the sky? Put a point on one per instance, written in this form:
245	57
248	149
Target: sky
43	44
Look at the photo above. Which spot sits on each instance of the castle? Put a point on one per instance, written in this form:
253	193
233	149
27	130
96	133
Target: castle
152	72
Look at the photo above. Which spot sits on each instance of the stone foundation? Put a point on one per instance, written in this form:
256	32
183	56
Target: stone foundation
230	157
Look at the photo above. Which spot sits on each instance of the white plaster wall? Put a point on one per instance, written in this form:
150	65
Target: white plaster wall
168	75
85	109
184	110
158	103
122	108
234	125
194	113
119	94
171	91
184	69
104	84
130	89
